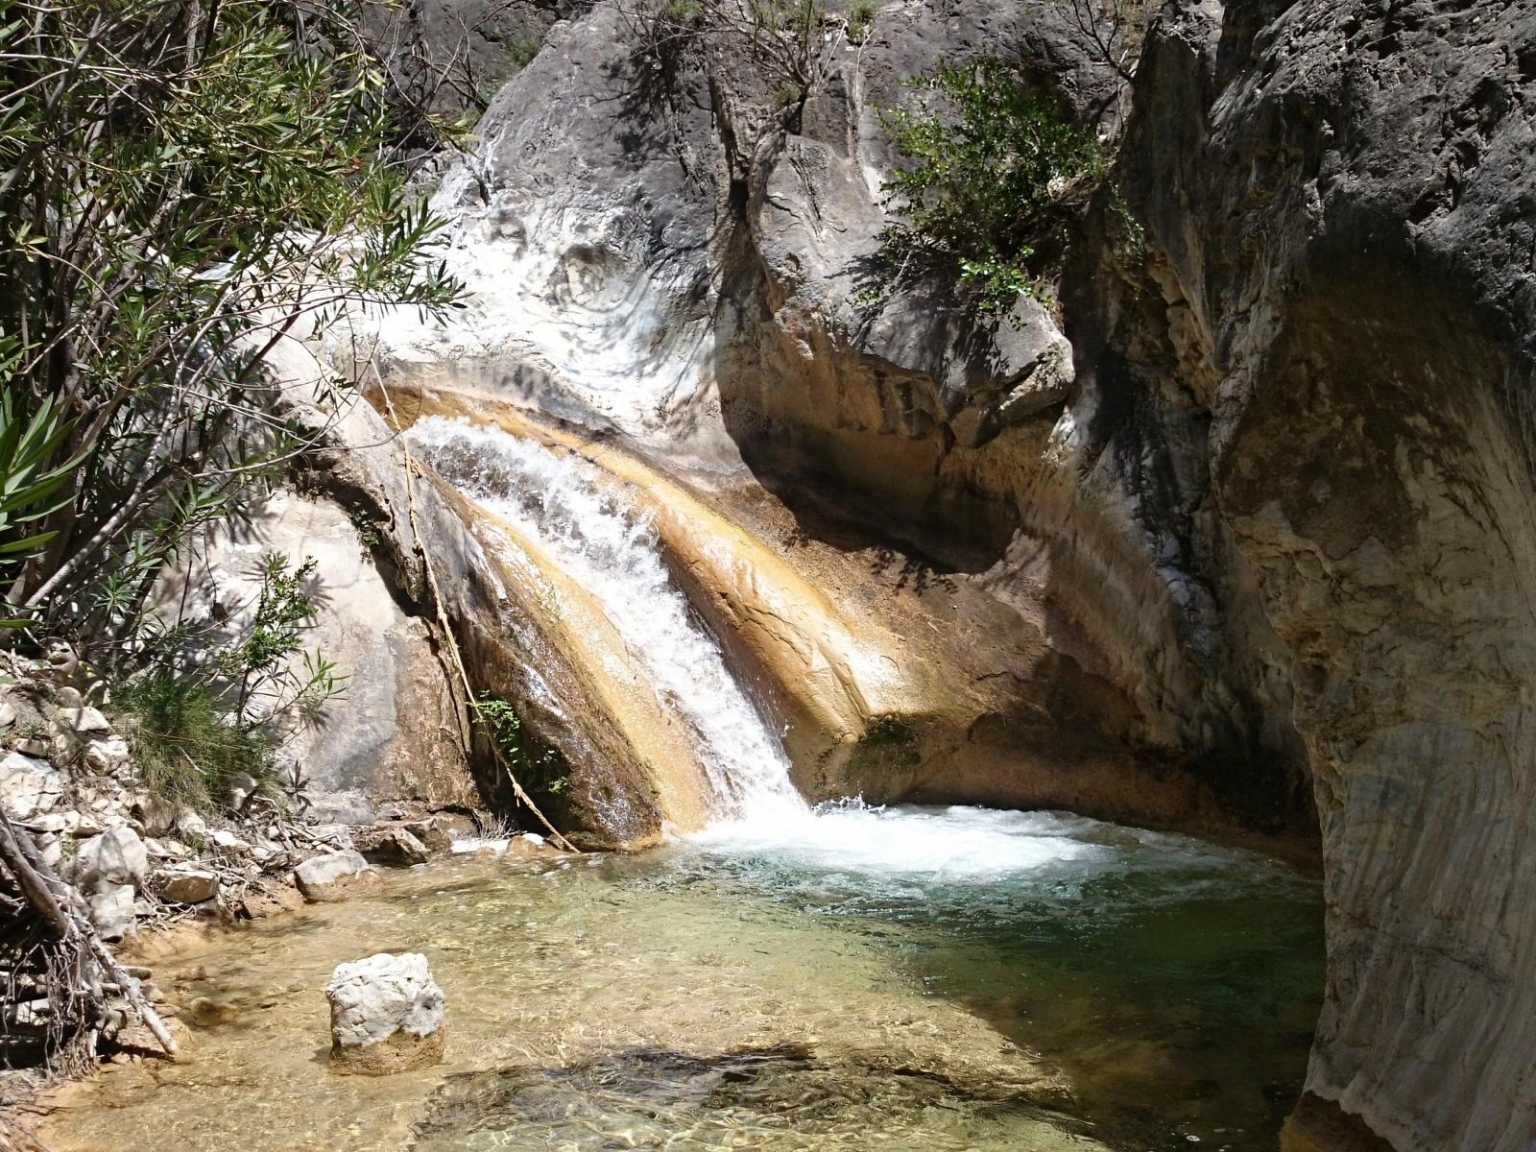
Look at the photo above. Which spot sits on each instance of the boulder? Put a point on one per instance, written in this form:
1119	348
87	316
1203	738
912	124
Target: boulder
333	876
28	787
190	826
185	885
107	756
84	720
117	857
112	911
156	815
241	787
386	1014
393	845
431	831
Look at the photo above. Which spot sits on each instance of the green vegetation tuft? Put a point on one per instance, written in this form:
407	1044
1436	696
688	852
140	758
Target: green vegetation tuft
205	710
186	743
861	18
995	172
536	773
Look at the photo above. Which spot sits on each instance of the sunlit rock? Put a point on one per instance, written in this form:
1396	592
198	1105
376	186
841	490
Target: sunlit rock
386	1014
333	876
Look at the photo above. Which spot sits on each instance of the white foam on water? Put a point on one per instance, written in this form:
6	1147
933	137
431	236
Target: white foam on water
612	552
943	844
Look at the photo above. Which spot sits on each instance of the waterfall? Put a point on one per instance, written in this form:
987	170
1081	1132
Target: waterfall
563	502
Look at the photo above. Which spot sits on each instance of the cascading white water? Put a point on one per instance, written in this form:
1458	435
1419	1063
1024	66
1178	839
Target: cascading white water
612	551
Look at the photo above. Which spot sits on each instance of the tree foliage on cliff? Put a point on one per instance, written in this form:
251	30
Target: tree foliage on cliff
993	172
182	184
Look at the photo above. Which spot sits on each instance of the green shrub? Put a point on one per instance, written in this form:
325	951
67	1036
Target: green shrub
182	183
204	712
536	773
186	743
992	178
520	53
861	17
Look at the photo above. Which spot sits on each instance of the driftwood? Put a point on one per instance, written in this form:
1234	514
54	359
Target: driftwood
50	952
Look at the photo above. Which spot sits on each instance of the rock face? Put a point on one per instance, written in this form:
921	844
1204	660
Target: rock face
115	857
1339	197
690	282
1270	521
28	787
394	730
386	1015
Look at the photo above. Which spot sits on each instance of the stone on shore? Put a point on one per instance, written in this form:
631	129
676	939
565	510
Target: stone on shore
333	876
112	911
393	845
386	1015
114	858
28	787
183	884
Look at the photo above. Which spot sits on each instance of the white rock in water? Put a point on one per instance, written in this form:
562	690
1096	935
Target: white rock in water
185	884
112	911
329	877
386	1014
28	787
115	857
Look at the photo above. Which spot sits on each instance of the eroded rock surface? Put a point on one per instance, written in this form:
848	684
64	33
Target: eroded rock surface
1339	199
386	1014
1271	518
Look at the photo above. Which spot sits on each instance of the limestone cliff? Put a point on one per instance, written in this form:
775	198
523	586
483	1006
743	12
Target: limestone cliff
1260	495
1339	198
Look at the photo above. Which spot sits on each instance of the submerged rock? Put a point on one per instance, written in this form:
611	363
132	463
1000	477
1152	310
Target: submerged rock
333	876
386	1014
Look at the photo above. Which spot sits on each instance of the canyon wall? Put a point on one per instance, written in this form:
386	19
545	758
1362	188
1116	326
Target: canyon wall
1340	204
1259	494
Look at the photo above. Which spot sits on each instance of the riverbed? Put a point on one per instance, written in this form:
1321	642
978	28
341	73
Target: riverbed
854	978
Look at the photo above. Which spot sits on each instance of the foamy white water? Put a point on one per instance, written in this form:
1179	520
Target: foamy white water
612	552
948	844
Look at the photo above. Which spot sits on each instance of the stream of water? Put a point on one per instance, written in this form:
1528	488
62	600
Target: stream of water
918	980
896	979
613	553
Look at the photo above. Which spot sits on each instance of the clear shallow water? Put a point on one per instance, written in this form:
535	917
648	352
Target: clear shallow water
1175	982
903	979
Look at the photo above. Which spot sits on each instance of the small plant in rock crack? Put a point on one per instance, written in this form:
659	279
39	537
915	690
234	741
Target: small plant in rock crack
861	17
537	773
520	54
367	530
